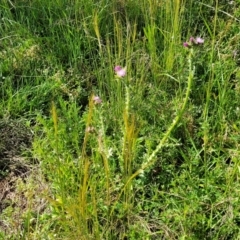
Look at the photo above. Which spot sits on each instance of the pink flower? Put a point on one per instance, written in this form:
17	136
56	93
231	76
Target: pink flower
96	100
120	72
193	41
199	40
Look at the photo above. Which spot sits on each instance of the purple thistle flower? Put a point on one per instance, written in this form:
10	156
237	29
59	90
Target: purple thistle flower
120	72
199	40
193	41
96	100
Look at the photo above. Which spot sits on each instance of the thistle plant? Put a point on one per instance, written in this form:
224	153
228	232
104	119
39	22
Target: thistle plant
151	160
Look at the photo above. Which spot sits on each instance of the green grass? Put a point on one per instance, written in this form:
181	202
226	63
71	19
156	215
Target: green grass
158	158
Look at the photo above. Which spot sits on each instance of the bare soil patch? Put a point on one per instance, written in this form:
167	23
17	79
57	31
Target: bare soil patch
15	138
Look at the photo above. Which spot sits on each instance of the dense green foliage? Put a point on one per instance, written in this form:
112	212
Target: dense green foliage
159	156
